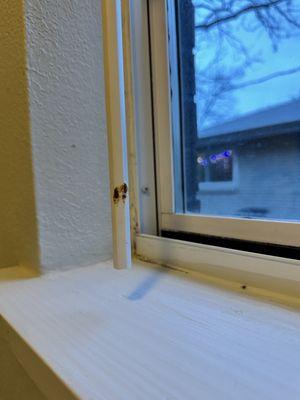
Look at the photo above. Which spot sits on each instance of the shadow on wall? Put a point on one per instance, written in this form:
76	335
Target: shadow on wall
18	225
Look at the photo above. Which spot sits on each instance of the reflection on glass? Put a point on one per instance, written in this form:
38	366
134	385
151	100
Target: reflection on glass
240	99
216	167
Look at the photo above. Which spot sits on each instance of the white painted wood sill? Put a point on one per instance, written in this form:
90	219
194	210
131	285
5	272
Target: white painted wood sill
150	333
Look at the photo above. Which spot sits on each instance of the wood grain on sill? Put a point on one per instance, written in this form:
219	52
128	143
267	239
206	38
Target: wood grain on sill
153	333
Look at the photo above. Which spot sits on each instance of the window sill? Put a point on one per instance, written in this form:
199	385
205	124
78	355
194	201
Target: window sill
149	333
279	276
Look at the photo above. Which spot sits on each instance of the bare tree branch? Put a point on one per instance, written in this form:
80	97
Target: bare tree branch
253	7
287	17
262	79
217	80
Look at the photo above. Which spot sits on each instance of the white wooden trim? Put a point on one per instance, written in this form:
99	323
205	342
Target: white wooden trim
142	136
116	125
162	104
269	231
175	126
277	232
258	270
266	231
130	122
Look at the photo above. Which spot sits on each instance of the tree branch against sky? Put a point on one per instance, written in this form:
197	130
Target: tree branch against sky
263	79
213	20
226	28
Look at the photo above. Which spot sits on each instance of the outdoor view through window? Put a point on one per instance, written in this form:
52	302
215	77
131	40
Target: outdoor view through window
239	74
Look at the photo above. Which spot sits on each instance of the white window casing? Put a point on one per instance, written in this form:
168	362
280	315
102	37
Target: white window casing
284	272
117	135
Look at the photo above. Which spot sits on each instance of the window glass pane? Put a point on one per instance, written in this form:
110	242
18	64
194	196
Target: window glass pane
239	79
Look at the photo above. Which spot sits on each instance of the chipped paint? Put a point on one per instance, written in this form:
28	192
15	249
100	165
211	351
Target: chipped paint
120	193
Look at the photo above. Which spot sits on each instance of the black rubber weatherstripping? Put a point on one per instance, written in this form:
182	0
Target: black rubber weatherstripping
236	244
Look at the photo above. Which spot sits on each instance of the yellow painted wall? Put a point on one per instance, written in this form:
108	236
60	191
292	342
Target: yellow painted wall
18	227
15	384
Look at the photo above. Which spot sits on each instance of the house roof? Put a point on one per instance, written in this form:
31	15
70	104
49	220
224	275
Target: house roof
269	117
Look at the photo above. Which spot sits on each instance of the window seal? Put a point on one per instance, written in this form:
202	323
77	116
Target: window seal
270	249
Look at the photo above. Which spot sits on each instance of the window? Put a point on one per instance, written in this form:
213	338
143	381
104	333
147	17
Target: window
216	167
239	69
216	172
226	115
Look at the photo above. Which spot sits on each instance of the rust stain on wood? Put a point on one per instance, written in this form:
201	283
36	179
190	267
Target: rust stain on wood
120	193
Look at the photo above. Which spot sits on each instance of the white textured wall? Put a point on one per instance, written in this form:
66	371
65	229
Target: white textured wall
66	91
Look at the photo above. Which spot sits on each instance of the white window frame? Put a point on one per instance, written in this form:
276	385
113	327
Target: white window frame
116	128
249	268
281	232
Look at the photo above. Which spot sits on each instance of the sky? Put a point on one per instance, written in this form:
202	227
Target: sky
246	31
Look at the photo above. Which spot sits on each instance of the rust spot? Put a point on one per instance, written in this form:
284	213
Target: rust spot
124	191
116	195
120	192
124	188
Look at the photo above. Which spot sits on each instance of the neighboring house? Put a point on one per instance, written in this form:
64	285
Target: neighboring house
249	167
